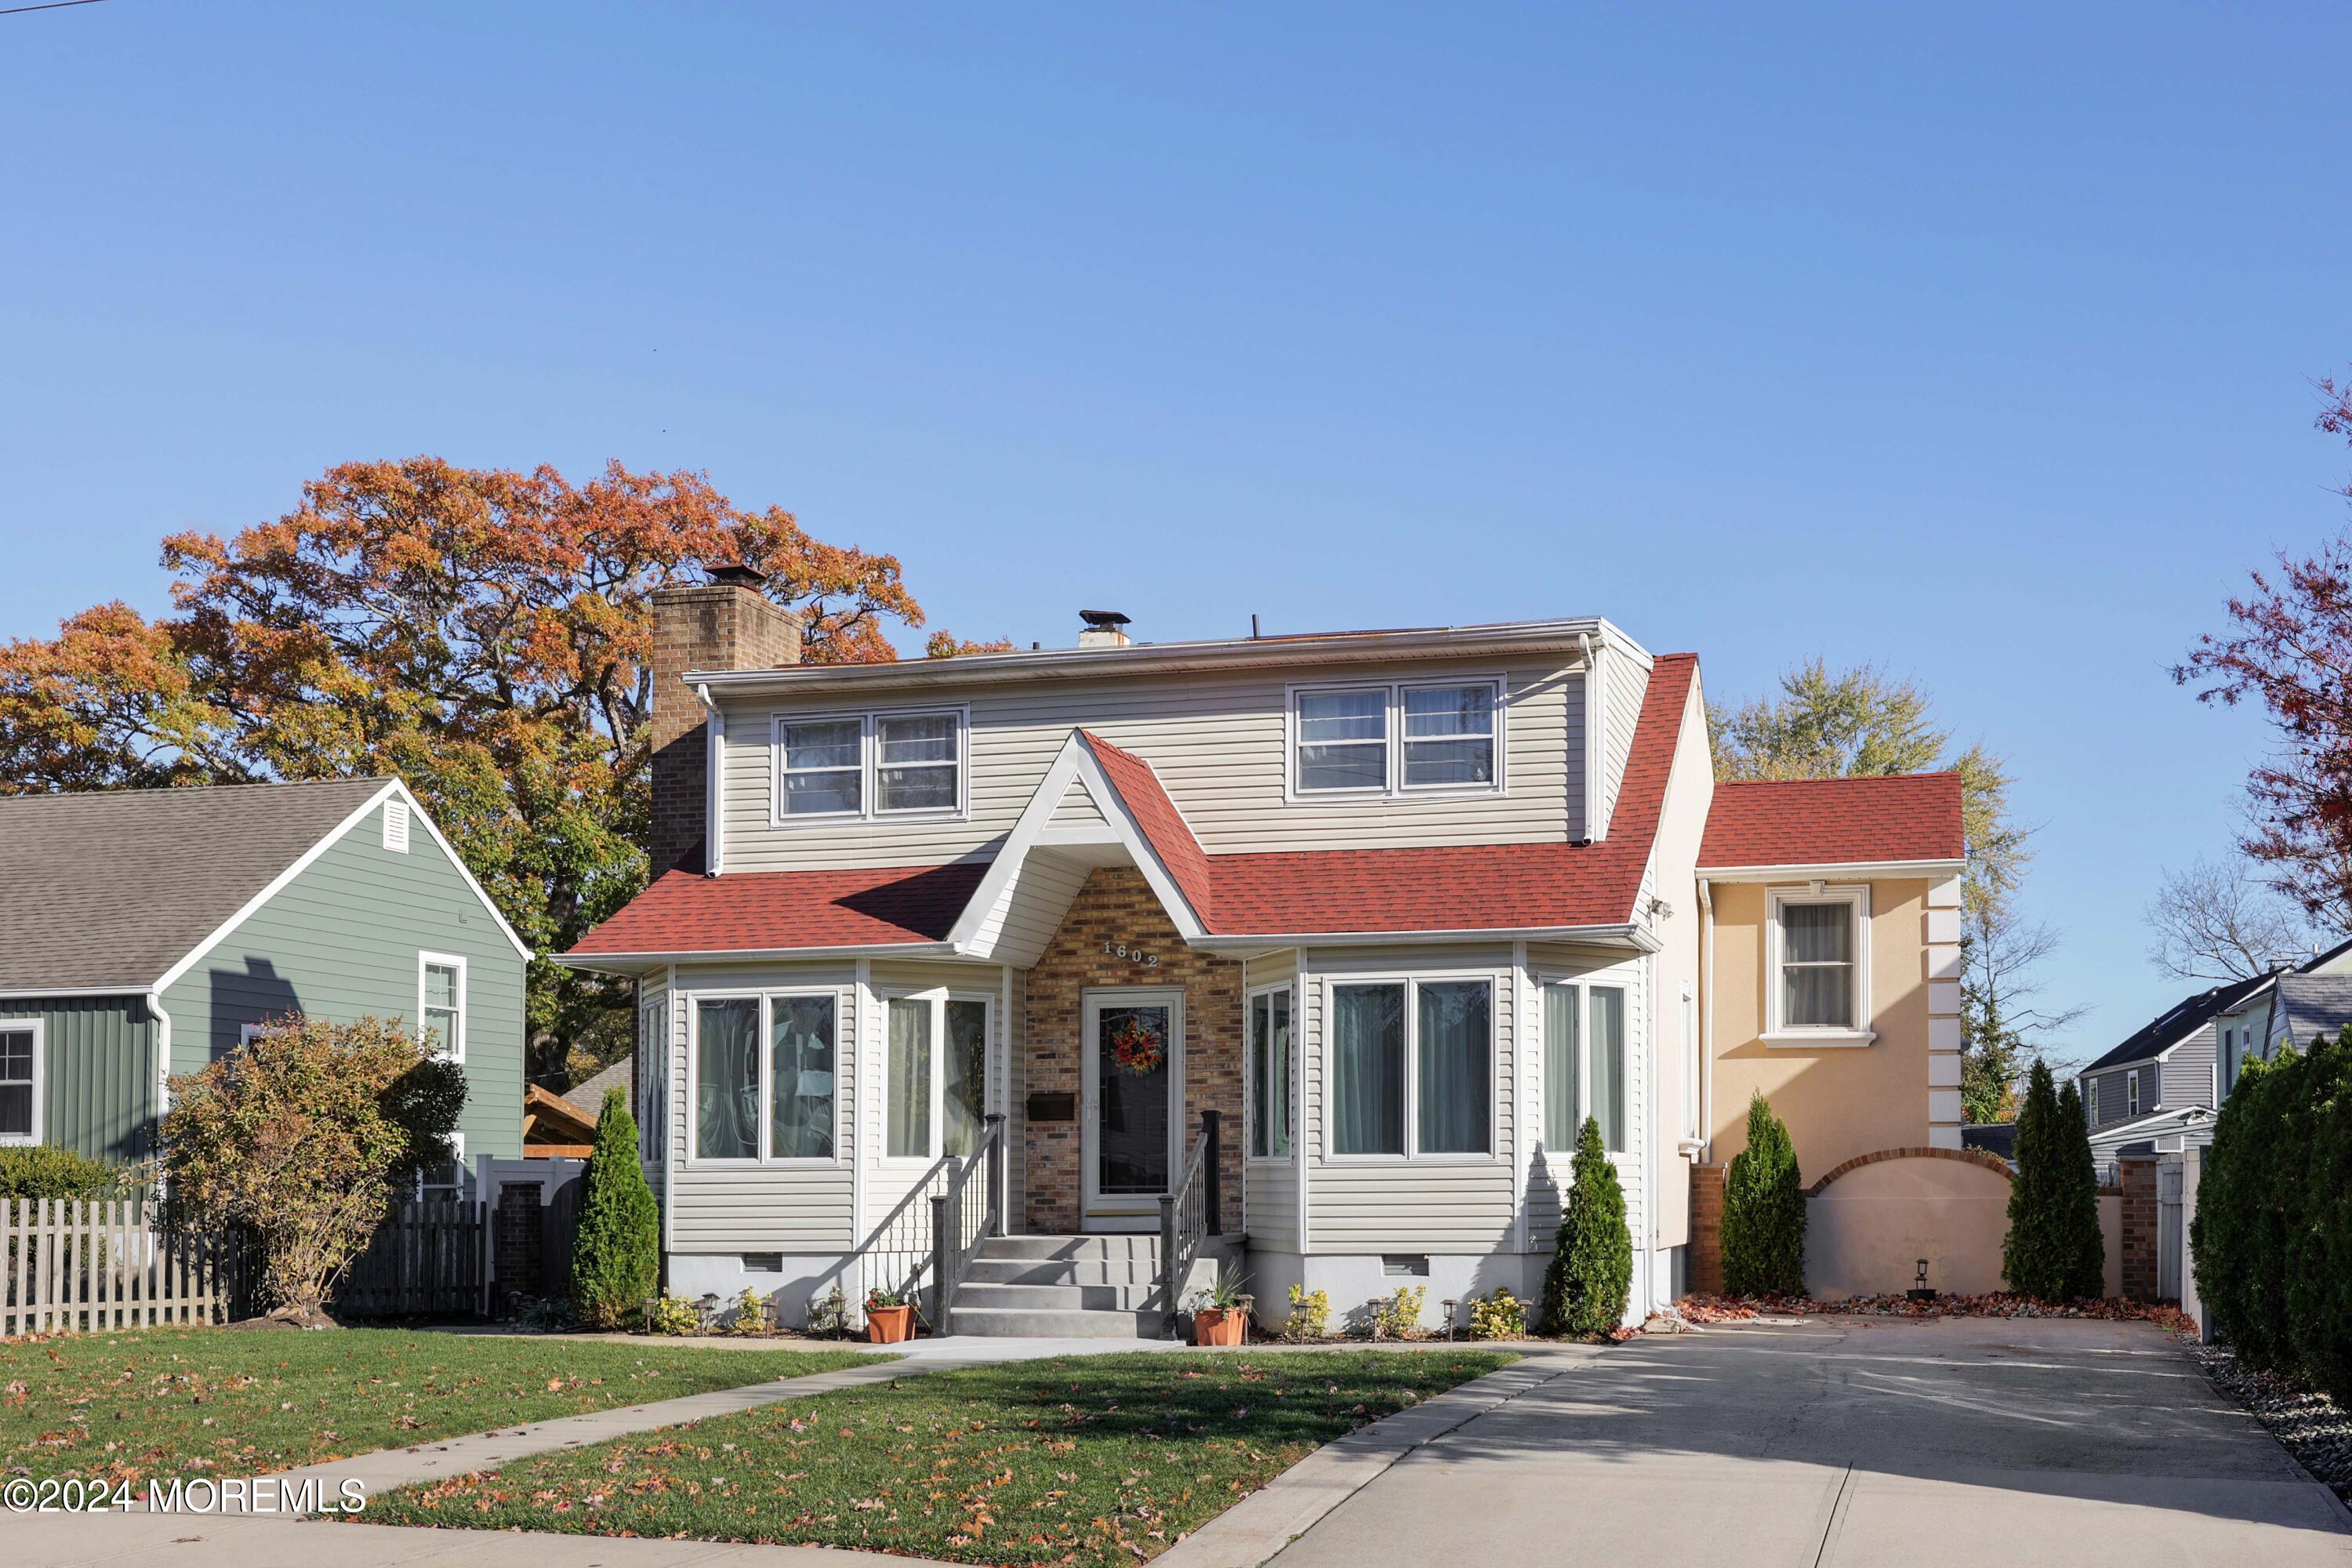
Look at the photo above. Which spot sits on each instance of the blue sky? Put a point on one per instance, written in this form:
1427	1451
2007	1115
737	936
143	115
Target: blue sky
1973	342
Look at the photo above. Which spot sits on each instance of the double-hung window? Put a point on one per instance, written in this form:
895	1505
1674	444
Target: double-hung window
652	1078
870	766
1819	988
1270	1123
935	1099
1584	1065
765	1075
1412	1068
20	1080
441	1003
1400	738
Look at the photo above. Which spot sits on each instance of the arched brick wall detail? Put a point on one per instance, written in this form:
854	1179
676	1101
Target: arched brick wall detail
1965	1156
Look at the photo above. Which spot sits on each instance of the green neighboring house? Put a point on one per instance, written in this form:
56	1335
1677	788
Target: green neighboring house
147	932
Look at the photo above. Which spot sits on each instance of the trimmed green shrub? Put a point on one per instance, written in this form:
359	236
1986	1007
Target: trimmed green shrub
1591	1271
1764	1211
2082	1247
2042	1255
616	1251
51	1171
2319	1234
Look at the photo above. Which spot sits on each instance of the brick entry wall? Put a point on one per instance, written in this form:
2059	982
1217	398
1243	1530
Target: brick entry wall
2141	1265
1118	906
1706	1230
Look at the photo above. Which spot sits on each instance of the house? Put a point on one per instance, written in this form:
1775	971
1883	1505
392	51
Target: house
149	931
1332	942
2163	1085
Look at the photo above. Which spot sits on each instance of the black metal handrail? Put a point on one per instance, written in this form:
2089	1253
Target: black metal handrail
964	1214
1190	1212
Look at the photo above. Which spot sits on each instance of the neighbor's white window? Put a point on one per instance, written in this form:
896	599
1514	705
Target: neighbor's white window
936	1094
1403	738
652	1078
870	764
447	1179
395	826
776	1103
2091	1100
1819	956
441	1003
1584	1065
1269	1075
1412	1068
2131	1092
21	1055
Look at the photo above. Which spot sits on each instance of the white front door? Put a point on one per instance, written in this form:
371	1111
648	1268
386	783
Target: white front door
1132	1066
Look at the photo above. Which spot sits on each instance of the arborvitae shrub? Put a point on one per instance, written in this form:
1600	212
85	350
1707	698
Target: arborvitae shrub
2081	1249
1764	1211
1592	1272
2033	1254
616	1251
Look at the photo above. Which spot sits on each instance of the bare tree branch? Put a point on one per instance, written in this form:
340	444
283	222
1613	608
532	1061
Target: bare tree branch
2212	921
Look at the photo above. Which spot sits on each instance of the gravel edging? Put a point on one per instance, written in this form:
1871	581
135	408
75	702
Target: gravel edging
2311	1426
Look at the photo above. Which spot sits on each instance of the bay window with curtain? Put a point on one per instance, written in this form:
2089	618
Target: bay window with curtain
792	1077
1413	1068
935	1096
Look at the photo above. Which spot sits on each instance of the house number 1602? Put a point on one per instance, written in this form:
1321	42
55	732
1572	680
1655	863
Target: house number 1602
1132	954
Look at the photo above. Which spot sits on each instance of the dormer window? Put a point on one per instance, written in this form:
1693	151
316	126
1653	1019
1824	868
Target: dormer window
869	765
1408	738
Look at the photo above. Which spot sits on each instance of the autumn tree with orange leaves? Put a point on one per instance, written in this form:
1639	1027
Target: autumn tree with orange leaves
2289	646
486	635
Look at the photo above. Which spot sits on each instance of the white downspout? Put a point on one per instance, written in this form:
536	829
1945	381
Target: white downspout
163	1061
1706	1022
1596	737
714	756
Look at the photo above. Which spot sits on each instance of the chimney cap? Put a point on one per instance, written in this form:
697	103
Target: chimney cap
1103	618
737	574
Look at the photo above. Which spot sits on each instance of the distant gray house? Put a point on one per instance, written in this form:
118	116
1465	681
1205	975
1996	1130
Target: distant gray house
149	931
2164	1085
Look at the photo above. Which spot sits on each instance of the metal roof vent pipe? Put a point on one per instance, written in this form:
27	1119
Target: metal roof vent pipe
1105	629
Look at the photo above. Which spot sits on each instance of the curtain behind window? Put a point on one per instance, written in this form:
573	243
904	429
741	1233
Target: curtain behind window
1270	1075
1456	1074
727	1079
965	1096
910	1090
1563	1030
1367	1069
800	1078
1817	966
1608	1069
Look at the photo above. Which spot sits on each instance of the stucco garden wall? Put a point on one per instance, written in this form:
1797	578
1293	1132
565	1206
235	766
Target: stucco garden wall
1867	1226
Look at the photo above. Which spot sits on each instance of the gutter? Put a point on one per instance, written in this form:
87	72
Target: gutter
631	963
714	756
1627	935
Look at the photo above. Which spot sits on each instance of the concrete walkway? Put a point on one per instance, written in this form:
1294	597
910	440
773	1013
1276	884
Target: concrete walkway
1855	1441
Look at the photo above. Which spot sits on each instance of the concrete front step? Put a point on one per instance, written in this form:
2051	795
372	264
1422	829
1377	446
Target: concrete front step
982	1296
986	1270
1054	1323
1074	1248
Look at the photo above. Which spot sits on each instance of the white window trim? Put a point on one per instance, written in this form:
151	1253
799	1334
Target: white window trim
1624	1158
939	996
652	1069
2131	1094
2091	1100
695	1158
1413	982
40	1031
465	1008
869	766
458	1157
1776	1033
1393	734
1249	1122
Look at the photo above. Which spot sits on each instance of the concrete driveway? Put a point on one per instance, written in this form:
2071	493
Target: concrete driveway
1955	1441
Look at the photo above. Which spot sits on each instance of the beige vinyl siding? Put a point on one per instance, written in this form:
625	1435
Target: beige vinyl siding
1627	681
763	1208
1410	1205
1548	1169
1270	1188
1078	809
1218	744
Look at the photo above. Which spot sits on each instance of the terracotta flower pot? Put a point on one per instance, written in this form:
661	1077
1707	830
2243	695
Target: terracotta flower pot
1219	1326
888	1325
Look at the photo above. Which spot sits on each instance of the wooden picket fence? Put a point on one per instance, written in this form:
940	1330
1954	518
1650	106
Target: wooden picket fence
71	1266
428	1259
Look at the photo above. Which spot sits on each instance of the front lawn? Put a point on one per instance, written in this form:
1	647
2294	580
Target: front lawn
164	1401
1098	1459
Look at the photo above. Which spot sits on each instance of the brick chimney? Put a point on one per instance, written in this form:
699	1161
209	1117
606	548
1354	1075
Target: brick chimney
724	624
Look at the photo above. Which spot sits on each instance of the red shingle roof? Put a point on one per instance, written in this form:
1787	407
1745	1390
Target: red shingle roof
1834	822
1481	887
762	911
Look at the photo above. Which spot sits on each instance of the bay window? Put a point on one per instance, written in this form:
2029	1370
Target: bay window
869	765
1818	941
936	1096
1397	739
1412	1068
776	1103
1269	1068
652	1078
1584	1065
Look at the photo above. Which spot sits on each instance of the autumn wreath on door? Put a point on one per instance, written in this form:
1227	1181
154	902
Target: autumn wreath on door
1138	1048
